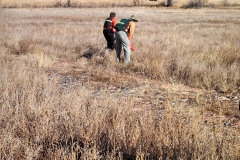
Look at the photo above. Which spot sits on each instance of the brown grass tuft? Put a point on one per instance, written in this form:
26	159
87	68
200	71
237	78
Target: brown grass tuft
24	46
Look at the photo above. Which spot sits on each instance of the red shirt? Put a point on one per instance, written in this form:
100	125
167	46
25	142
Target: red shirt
114	22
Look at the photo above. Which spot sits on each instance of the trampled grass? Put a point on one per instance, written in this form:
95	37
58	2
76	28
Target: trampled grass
63	96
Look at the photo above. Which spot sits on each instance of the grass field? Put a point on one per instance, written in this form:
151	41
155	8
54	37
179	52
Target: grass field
63	96
108	3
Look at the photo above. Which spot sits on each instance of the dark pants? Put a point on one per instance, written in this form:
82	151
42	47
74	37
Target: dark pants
109	36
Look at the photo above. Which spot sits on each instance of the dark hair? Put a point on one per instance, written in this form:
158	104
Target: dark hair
112	14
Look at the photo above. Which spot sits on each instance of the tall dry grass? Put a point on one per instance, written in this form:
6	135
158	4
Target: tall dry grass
62	96
64	3
117	3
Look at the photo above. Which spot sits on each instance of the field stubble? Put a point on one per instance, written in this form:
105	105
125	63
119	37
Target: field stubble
62	96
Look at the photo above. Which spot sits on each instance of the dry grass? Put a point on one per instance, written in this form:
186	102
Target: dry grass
64	3
117	3
62	96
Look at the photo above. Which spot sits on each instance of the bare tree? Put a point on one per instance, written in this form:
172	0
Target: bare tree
136	2
58	3
169	3
68	3
225	2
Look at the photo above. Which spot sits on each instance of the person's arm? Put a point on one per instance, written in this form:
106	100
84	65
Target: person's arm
131	30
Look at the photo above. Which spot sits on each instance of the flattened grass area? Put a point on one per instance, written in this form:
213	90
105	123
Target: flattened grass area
64	96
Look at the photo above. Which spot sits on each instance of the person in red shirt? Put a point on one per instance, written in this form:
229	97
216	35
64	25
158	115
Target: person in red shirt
109	31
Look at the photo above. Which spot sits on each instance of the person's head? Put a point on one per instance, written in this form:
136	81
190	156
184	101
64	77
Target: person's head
133	18
112	14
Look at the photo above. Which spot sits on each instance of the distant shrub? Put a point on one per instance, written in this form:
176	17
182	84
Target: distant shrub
163	3
236	4
225	3
212	5
195	4
57	4
88	5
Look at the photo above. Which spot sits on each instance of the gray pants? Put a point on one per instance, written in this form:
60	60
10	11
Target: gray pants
122	41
